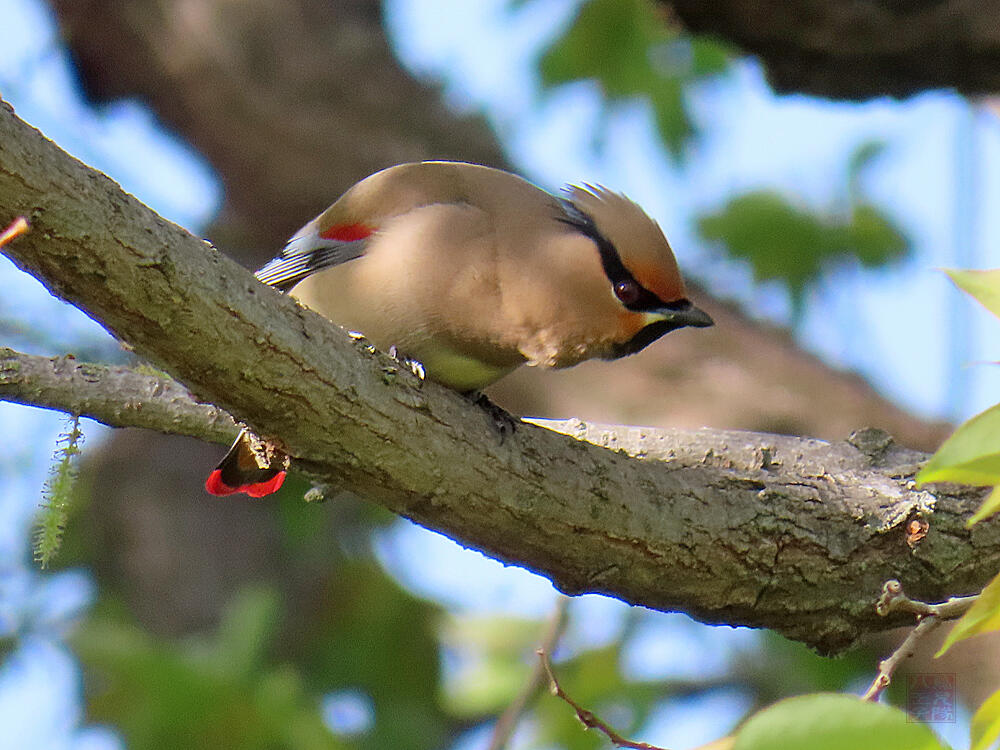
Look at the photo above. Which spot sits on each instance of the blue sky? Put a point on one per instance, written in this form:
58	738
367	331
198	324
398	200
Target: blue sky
892	325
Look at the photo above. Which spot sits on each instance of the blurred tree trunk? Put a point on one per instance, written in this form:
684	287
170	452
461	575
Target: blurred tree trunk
291	102
859	49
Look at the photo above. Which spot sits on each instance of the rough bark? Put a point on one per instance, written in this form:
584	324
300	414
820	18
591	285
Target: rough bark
791	534
859	49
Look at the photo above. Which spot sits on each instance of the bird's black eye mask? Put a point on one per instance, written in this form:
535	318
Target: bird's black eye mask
629	292
633	295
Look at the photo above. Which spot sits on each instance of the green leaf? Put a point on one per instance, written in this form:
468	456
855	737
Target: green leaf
831	721
624	47
971	455
780	240
783	242
985	729
983	617
671	115
607	42
709	57
990	506
983	286
873	237
797	245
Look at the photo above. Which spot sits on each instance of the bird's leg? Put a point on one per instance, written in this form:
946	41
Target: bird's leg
415	366
500	419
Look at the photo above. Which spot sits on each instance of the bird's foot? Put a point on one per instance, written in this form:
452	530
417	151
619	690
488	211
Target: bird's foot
414	366
500	419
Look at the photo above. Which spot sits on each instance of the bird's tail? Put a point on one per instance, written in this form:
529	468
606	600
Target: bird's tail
257	470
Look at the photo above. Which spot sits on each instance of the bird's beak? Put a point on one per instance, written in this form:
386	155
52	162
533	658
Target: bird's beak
681	314
659	322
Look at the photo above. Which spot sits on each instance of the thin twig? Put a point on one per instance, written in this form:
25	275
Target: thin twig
929	618
887	667
587	718
511	716
894	599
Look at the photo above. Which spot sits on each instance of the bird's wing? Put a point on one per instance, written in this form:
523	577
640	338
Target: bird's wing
310	251
339	234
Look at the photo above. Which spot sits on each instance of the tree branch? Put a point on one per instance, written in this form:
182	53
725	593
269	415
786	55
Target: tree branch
763	530
588	718
115	396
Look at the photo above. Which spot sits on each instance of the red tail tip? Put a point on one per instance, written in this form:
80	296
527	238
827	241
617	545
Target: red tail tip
265	488
215	486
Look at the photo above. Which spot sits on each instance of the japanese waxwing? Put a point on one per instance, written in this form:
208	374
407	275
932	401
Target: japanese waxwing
474	272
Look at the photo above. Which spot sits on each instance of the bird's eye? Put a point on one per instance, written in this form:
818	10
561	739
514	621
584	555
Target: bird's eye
627	291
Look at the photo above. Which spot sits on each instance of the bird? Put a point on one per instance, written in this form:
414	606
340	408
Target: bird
472	272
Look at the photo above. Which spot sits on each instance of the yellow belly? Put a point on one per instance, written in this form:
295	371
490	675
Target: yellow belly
457	370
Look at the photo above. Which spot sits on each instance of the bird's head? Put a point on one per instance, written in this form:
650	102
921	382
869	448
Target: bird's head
640	267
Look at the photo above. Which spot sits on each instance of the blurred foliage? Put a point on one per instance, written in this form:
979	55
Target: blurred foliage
797	246
258	680
797	669
366	633
210	692
631	51
491	658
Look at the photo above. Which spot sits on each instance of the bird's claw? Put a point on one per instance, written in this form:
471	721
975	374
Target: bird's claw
415	366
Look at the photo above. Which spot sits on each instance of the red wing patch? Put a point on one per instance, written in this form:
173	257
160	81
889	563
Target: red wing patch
347	232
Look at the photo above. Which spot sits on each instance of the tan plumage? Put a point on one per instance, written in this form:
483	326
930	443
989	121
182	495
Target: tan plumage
474	271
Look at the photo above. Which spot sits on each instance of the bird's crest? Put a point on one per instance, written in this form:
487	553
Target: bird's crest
636	238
